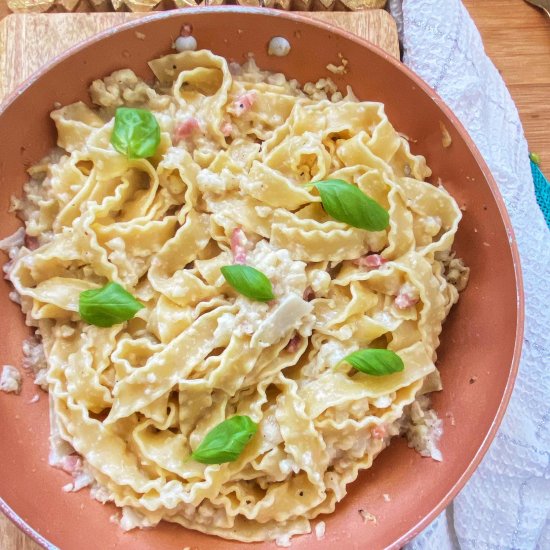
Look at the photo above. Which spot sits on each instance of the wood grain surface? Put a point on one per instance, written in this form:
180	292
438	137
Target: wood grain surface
11	538
516	37
28	41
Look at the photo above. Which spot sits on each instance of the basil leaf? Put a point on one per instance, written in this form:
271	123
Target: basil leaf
348	204
136	133
226	441
376	362
249	282
108	305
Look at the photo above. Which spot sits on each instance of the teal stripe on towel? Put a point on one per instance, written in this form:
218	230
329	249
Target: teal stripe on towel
542	191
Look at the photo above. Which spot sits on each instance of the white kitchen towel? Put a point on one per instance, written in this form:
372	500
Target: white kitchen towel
506	504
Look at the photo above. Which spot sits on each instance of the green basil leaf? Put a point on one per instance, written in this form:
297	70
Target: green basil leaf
376	362
108	305
249	282
348	204
136	133
226	441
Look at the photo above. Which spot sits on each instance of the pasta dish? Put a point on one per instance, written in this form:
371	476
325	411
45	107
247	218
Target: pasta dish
238	287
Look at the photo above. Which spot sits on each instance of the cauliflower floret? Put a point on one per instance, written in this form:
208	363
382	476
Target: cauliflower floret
125	88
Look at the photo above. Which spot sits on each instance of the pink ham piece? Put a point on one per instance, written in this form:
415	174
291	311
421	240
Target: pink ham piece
226	129
244	103
31	242
239	244
379	432
309	294
370	261
406	297
71	464
293	343
186	30
186	128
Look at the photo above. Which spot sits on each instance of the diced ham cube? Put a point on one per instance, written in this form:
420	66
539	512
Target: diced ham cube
186	30
406	297
244	103
31	242
403	301
226	129
239	244
294	343
379	432
370	261
309	294
186	128
71	464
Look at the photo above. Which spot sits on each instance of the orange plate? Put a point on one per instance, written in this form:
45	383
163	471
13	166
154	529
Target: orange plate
481	338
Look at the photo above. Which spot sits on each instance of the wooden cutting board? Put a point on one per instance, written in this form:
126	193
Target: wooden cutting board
28	41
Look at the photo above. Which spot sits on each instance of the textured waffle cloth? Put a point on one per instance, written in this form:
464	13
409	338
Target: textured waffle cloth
506	504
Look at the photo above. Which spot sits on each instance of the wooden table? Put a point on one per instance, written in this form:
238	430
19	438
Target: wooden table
517	38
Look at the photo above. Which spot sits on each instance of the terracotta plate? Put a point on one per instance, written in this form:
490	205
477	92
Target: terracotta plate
481	339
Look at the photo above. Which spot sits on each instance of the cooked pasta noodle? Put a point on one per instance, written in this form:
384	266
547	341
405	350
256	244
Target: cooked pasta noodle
130	403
